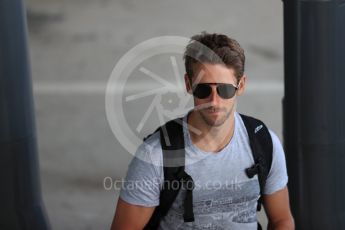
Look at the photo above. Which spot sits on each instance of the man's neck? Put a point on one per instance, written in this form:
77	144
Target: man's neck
210	138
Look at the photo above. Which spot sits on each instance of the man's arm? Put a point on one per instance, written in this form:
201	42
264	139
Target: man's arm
131	217
277	208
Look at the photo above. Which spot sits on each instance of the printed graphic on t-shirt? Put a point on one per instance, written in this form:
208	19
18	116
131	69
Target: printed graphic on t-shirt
230	206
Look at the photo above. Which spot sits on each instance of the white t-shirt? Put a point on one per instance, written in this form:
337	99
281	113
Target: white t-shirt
223	197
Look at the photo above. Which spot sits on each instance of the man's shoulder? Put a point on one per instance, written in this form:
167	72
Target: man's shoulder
151	146
274	137
150	150
242	117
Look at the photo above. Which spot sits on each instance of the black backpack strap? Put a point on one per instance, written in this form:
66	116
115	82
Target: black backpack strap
260	141
172	141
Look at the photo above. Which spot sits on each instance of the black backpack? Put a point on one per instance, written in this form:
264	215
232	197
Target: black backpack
172	141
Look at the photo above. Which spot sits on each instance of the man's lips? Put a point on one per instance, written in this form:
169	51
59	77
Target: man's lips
213	110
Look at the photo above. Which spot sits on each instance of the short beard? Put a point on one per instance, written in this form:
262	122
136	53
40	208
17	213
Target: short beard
217	122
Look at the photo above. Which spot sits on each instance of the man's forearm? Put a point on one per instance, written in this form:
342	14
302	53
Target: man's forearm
282	225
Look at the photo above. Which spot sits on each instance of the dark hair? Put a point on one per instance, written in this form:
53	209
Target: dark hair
214	49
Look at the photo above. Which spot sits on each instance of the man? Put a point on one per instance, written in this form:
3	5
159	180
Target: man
217	150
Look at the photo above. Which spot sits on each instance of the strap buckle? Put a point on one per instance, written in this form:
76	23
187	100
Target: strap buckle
252	171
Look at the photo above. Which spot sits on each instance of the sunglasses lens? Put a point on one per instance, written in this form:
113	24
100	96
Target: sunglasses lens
202	91
226	91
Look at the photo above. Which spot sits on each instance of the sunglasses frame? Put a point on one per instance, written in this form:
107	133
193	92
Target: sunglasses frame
217	89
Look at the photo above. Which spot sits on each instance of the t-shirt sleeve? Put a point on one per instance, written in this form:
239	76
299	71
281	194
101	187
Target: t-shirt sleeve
277	177
143	180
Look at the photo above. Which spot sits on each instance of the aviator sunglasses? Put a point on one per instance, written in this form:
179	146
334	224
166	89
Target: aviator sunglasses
204	90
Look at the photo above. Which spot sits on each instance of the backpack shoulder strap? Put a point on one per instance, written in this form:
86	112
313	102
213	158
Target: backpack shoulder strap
172	142
260	142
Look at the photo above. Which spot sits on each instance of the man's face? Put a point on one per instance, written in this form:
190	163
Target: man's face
214	110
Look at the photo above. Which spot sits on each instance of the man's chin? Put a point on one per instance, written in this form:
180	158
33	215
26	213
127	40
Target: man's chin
212	120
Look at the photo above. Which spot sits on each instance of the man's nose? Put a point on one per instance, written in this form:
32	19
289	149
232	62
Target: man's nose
214	97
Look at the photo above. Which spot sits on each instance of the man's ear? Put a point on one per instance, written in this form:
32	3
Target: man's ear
187	84
242	85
